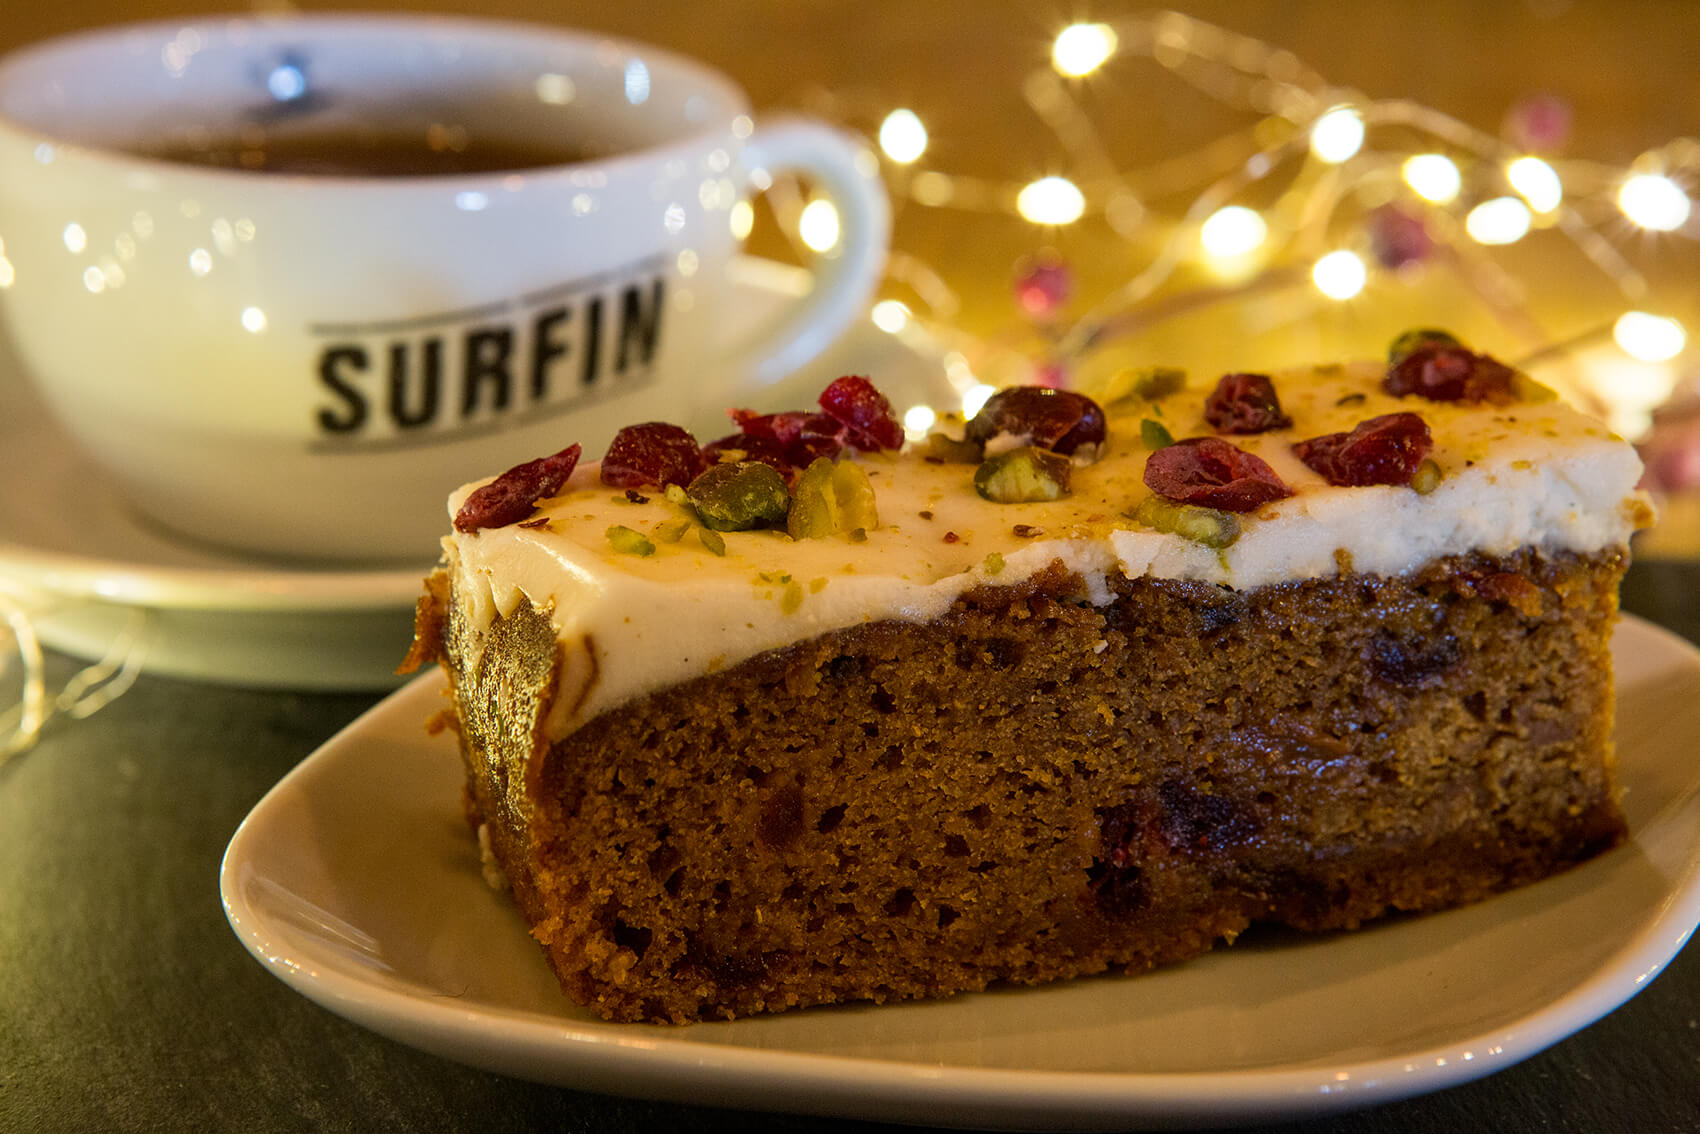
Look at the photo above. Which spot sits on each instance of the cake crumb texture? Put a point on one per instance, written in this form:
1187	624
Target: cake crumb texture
1033	787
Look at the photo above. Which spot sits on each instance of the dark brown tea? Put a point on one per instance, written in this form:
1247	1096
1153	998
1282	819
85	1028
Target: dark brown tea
436	150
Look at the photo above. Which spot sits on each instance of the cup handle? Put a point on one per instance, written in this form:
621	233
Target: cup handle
847	171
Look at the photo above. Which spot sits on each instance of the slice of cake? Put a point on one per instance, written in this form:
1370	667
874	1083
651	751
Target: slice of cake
799	717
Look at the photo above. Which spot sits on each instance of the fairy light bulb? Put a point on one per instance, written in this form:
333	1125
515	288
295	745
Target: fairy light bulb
1653	201
1340	275
975	397
1337	135
1537	181
742	219
917	420
1433	177
890	315
1503	220
1232	231
1081	49
1052	201
818	226
1650	338
902	136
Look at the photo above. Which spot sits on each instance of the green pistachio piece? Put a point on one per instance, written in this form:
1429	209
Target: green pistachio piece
791	598
1201	525
672	531
1412	341
1153	382
1023	475
1528	390
1155	435
1426	479
994	564
712	540
1148	382
831	497
627	541
739	496
944	447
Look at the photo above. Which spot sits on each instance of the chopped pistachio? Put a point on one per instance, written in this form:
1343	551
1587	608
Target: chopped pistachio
672	531
1528	390
831	497
994	564
1412	341
792	598
1148	382
676	493
739	496
1155	435
626	541
712	540
773	576
1426	479
949	449
817	585
1023	475
858	535
1201	525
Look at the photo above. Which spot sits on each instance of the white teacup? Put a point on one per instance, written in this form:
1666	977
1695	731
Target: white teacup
304	363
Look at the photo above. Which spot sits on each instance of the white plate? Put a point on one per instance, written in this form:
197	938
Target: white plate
90	570
355	882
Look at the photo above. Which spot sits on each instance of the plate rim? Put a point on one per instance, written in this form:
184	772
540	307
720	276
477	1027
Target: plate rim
658	1063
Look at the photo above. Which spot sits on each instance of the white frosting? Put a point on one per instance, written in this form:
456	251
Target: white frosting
1533	474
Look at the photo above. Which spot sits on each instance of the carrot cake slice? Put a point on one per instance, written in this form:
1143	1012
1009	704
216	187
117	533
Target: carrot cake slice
806	715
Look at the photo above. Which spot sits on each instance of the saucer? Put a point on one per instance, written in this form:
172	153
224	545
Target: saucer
92	573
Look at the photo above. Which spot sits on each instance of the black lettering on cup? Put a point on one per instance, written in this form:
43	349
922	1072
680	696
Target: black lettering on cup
332	362
416	380
464	372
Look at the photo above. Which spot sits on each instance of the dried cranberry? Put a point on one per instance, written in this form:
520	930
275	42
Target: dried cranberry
1211	473
1245	403
788	460
1443	373
785	427
1382	450
867	417
513	496
653	453
1059	420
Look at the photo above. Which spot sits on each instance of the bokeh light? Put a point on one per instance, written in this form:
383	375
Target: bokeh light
1650	338
1081	49
1051	200
1503	220
1340	275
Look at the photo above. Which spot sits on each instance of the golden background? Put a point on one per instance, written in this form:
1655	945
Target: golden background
1624	67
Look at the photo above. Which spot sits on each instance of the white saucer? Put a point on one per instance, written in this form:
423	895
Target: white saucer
355	882
89	570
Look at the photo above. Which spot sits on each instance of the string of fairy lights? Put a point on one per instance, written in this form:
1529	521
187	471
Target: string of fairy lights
1436	179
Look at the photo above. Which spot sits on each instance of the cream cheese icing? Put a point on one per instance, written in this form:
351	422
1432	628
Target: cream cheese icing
1534	474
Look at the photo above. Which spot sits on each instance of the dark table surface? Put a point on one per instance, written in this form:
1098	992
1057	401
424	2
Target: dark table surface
126	1003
